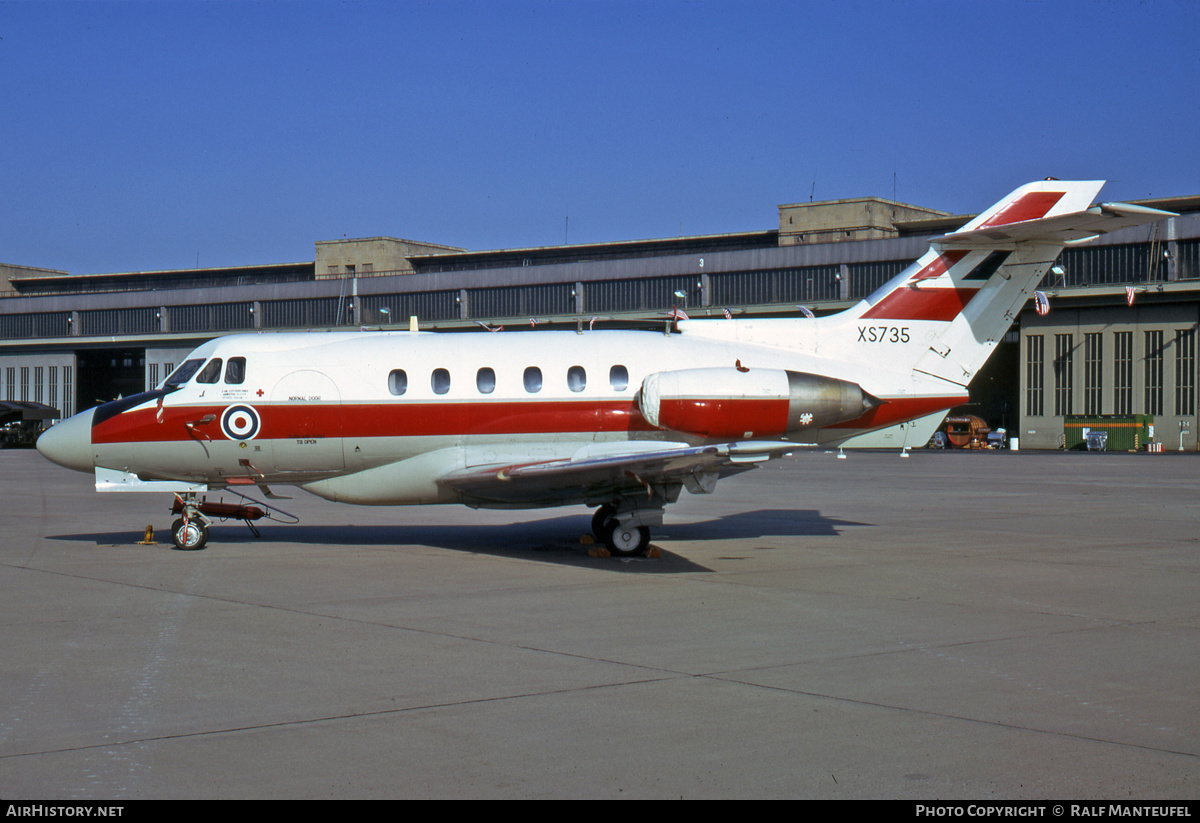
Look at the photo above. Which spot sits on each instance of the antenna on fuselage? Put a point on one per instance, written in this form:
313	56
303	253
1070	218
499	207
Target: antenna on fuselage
412	324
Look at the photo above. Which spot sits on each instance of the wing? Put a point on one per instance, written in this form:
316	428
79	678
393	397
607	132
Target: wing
600	473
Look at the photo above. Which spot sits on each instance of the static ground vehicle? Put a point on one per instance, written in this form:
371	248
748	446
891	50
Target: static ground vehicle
22	422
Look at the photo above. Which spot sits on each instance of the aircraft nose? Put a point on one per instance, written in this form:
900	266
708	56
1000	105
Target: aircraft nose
69	443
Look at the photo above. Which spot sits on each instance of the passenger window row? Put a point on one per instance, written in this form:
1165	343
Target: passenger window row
485	380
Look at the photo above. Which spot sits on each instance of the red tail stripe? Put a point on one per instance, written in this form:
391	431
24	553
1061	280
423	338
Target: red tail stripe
921	304
942	264
1028	206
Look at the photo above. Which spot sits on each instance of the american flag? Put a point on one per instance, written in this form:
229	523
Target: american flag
805	310
728	314
1041	302
1129	295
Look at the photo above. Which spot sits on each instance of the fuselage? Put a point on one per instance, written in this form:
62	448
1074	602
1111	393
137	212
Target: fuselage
308	409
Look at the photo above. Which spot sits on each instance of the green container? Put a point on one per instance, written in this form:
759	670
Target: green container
1126	432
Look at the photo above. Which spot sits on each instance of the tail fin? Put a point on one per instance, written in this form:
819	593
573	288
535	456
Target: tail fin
962	295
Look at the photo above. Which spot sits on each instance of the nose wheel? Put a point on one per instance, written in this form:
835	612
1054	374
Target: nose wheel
189	534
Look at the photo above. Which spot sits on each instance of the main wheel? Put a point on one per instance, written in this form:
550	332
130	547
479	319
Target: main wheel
626	541
190	536
600	520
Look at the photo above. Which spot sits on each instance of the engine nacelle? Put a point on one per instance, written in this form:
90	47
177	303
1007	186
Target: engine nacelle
737	403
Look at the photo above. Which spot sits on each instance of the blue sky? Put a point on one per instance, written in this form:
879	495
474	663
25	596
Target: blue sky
164	135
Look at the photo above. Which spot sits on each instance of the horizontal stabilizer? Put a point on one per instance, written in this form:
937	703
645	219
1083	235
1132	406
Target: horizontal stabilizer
1064	228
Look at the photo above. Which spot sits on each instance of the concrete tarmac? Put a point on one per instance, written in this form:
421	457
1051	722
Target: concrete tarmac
951	625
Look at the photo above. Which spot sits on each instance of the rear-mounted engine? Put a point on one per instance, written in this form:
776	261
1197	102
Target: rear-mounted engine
743	403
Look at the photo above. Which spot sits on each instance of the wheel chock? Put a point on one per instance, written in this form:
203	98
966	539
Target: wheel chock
148	540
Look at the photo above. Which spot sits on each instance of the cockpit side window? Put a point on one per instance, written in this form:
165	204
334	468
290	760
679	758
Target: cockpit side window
235	371
183	374
210	373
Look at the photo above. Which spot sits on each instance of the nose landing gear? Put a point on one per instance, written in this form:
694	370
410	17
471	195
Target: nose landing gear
189	533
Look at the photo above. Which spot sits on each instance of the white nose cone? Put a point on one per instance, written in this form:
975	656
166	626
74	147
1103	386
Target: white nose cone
69	443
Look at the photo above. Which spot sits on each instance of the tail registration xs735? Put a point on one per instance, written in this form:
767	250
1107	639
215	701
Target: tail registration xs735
620	421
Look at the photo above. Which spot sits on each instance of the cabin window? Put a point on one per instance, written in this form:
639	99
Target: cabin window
485	380
576	378
398	382
618	378
533	380
182	374
210	373
440	381
235	371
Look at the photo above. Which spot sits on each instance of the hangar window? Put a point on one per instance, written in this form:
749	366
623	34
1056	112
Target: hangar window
1035	354
1064	373
1093	371
1185	372
440	381
576	378
235	371
618	378
1154	372
1123	372
210	373
485	380
398	382
533	379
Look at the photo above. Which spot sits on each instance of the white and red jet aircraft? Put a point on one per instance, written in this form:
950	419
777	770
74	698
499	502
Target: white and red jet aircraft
618	420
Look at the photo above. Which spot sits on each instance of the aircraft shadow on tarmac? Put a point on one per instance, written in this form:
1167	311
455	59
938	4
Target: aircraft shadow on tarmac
557	539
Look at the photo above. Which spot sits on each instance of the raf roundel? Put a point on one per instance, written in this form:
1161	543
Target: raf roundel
240	423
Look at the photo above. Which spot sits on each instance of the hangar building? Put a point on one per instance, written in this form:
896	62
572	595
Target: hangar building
1119	339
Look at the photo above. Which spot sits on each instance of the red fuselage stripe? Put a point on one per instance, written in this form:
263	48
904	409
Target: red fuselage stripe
377	420
901	410
413	419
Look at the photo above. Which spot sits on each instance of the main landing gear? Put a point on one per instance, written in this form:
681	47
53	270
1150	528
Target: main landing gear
622	532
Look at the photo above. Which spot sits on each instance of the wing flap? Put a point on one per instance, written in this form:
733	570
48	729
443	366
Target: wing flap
602	474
